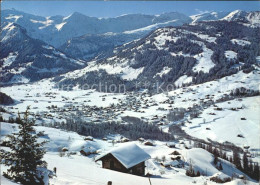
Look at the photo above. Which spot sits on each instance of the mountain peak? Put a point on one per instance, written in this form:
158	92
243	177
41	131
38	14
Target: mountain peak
76	15
12	30
237	14
208	16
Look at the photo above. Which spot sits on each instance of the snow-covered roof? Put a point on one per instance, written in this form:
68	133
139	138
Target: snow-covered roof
128	155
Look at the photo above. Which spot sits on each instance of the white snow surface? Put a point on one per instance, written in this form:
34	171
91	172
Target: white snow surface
226	125
231	15
164	71
123	69
240	42
14	17
48	47
92	173
204	62
59	26
202	161
45	23
207	16
9	59
230	54
150	27
162	37
183	80
205	37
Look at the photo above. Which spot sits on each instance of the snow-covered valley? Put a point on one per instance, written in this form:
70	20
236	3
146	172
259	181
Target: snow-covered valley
173	99
223	125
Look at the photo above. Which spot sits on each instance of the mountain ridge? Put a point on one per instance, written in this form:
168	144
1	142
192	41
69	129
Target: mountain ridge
24	59
85	24
202	45
189	53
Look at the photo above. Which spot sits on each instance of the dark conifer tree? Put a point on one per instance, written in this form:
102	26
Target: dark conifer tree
236	159
220	167
256	172
245	163
231	159
215	160
224	156
251	167
26	154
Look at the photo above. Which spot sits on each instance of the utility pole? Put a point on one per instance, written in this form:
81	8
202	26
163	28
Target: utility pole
148	174
149	179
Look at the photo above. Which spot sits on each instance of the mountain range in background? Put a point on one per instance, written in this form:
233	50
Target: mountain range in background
36	47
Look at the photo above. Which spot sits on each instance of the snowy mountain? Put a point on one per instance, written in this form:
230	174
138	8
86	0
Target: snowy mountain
74	34
91	45
208	16
23	59
176	55
185	94
248	18
56	30
236	15
79	47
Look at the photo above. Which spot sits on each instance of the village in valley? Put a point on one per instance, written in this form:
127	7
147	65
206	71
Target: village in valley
183	133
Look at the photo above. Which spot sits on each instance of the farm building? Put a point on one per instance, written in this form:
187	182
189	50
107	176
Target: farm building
128	158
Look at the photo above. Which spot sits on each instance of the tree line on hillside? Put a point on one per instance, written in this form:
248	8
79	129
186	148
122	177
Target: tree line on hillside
245	164
5	99
133	128
146	54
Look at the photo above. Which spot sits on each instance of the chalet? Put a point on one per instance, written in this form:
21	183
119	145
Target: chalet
65	149
148	143
128	158
141	139
88	138
171	144
123	140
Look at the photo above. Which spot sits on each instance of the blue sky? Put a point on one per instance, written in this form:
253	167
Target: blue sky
116	8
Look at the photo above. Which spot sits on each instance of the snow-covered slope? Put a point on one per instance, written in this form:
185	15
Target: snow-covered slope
74	34
91	45
247	18
214	64
24	59
83	47
235	15
43	94
208	16
92	172
168	55
215	126
96	45
243	17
